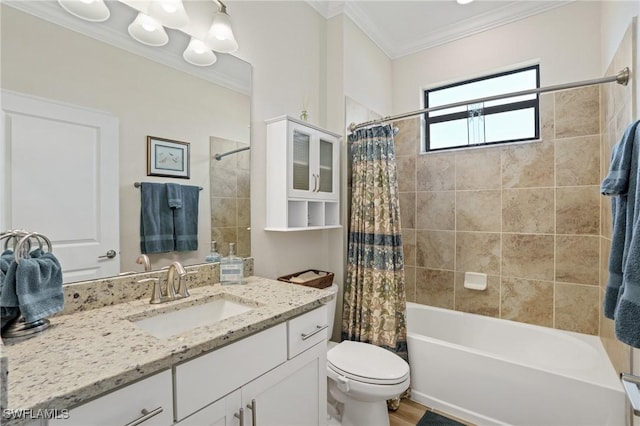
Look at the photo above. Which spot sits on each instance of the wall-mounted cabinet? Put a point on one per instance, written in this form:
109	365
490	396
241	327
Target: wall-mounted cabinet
304	192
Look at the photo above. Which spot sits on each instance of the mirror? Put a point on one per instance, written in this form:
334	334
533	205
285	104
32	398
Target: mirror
209	107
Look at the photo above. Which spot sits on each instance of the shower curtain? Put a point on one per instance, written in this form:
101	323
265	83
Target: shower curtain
374	307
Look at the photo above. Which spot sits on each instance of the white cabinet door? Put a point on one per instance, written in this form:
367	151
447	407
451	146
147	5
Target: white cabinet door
224	412
153	395
293	394
60	168
313	167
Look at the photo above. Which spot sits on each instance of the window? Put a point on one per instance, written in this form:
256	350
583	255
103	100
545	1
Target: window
505	120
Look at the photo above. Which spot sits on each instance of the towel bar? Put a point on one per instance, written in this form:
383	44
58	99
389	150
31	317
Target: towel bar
137	185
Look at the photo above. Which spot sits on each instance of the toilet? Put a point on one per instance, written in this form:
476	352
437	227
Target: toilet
360	379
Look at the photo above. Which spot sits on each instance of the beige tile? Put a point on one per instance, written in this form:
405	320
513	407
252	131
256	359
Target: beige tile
529	301
409	246
244	183
406	169
478	169
578	210
407	209
224	236
407	140
547	122
578	161
485	302
410	283
606	219
618	352
578	259
243	158
435	172
434	287
478	252
243	246
528	165
527	256
478	210
223	212
577	112
223	181
435	249
244	212
605	252
435	210
528	210
576	308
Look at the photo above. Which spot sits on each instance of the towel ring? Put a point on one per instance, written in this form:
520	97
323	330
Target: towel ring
14	235
19	251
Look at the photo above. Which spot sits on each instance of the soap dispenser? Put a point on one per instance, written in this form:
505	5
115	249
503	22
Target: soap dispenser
213	256
231	267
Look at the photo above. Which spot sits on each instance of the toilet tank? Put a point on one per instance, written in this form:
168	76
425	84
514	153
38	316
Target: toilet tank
331	308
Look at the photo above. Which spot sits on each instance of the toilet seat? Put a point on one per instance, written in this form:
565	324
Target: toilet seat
367	363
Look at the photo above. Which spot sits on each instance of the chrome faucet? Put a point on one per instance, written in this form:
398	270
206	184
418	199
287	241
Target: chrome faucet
182	284
159	296
143	259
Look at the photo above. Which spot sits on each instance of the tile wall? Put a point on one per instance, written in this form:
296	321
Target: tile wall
616	114
230	202
527	215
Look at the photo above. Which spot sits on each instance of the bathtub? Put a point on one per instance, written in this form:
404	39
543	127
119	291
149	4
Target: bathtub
493	372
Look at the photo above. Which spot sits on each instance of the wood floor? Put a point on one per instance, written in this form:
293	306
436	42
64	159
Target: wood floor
410	413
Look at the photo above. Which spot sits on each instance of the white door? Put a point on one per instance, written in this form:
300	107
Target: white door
60	178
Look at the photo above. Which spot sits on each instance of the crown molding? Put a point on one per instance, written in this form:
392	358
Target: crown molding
226	72
328	9
394	49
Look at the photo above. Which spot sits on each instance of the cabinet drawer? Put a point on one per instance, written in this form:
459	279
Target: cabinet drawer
125	405
306	330
209	377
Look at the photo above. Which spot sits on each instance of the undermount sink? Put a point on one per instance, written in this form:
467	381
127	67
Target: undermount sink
174	322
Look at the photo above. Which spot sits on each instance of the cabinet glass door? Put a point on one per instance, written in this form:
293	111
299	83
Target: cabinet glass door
326	166
301	160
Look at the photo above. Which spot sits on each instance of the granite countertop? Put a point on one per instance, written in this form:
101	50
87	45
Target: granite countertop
86	354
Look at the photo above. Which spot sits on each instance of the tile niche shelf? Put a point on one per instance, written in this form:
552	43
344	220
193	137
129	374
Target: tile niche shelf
304	193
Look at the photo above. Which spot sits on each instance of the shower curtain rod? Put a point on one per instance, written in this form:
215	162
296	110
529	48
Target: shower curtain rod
621	78
219	156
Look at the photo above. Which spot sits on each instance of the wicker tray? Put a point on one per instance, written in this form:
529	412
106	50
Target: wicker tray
321	282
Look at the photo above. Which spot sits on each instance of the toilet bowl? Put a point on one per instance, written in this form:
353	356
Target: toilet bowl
360	379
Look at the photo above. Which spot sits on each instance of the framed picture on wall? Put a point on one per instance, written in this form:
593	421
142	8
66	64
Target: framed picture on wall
166	157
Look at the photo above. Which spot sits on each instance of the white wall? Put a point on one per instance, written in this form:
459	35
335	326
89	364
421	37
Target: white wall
367	71
566	40
49	61
286	44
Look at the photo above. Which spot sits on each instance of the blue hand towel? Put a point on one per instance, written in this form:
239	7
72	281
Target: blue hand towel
622	296
39	286
616	184
186	219
156	219
8	299
174	195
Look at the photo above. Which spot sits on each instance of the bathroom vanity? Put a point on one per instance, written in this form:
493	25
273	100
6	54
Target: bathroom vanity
266	365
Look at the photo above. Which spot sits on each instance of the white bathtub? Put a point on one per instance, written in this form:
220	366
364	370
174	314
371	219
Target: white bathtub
493	372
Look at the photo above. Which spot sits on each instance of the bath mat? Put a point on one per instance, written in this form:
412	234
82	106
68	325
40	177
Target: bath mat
434	419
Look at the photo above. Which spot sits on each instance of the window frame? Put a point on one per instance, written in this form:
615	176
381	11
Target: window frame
514	106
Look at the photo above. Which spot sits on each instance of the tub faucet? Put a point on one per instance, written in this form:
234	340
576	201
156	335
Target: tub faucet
143	259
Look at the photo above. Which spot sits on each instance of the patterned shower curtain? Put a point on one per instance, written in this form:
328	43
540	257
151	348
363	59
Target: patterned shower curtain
374	307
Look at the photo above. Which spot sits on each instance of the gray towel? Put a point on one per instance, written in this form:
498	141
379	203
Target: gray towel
156	219
39	286
8	298
622	295
174	195
186	219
